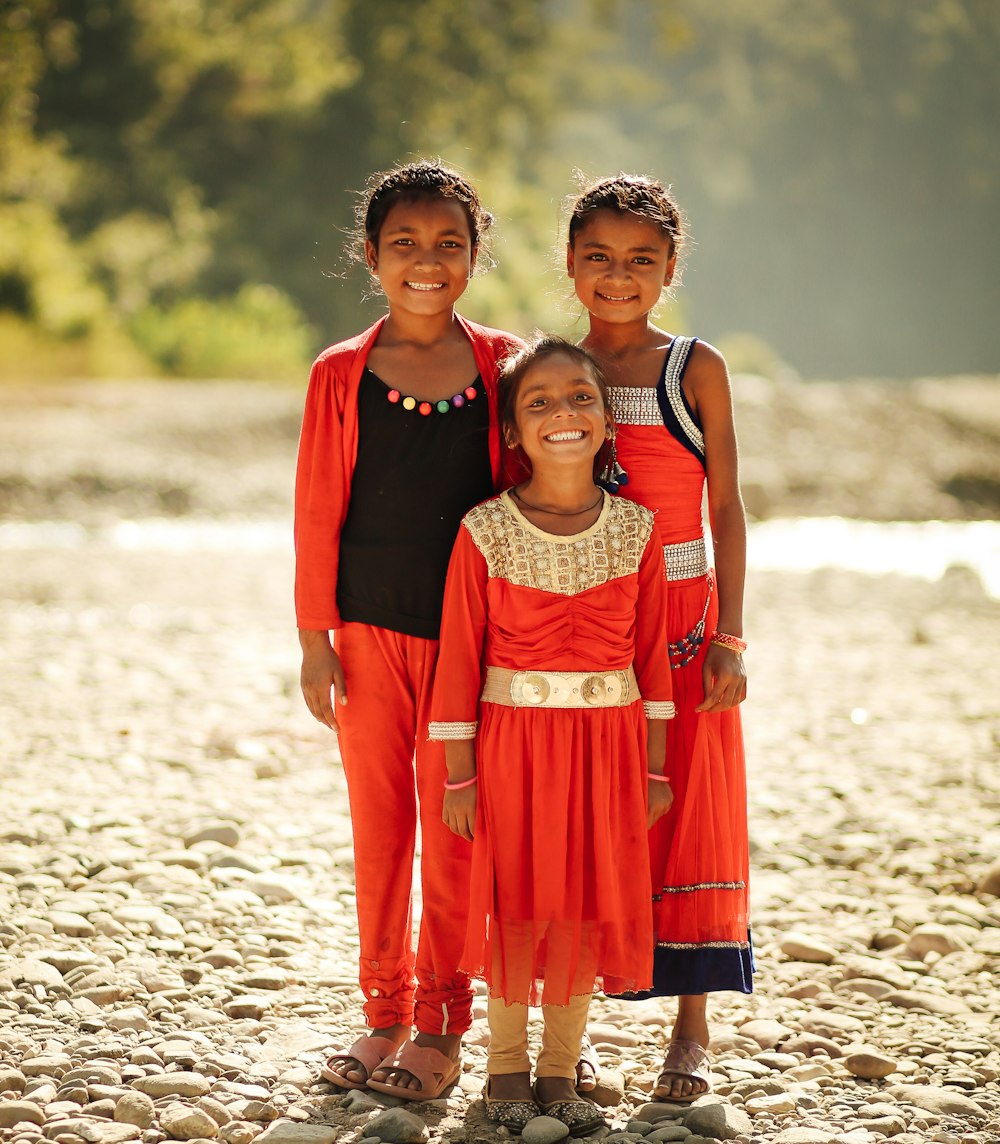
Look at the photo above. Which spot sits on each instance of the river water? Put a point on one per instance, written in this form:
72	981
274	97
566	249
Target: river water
924	549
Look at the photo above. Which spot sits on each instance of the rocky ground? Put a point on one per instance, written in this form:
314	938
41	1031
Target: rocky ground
177	942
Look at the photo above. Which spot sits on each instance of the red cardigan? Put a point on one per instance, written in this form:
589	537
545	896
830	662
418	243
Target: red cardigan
328	450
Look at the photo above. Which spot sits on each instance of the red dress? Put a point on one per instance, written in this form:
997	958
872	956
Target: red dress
560	880
699	852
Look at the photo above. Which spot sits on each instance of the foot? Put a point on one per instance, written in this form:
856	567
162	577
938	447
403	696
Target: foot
586	1067
450	1044
557	1097
688	1078
510	1086
552	1088
353	1072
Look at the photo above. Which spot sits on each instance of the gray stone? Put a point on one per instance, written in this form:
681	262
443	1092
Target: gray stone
285	1132
544	1130
181	1122
942	1101
11	1080
20	1112
669	1132
659	1110
718	1121
357	1101
765	1032
947	1005
173	1084
239	1132
989	883
610	1089
396	1126
225	833
802	1135
135	1108
869	1063
804	947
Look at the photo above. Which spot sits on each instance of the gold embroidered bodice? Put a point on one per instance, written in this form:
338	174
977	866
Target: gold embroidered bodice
518	552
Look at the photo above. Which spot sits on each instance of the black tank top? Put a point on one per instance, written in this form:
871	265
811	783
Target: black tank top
416	476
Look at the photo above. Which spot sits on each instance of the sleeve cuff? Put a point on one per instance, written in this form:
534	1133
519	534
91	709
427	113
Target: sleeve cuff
658	710
443	732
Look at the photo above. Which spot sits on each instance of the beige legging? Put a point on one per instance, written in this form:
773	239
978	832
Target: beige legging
562	1037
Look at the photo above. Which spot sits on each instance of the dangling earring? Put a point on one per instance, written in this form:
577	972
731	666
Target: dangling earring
613	476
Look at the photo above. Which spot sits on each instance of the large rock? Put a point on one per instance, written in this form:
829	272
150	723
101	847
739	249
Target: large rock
20	1112
181	1122
933	938
989	883
397	1126
544	1130
287	1132
942	1101
765	1032
135	1108
804	947
718	1121
869	1063
933	1002
173	1084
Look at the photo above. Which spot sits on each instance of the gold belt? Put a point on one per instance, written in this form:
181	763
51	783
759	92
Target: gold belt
560	688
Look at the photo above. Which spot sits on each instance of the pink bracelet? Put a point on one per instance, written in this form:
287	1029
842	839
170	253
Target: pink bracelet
733	643
658	778
460	786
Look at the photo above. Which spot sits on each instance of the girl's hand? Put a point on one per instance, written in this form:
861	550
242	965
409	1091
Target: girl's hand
459	812
321	672
725	679
661	798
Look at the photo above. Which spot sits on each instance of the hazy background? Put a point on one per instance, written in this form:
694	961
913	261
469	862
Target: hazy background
176	176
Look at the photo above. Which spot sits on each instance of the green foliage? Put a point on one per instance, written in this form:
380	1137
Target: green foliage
257	334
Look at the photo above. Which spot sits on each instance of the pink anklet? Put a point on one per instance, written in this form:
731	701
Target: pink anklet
658	778
460	786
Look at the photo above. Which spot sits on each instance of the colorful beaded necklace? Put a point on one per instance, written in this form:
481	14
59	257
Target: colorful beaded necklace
426	408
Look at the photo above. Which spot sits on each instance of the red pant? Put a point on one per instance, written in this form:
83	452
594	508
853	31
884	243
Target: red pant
383	743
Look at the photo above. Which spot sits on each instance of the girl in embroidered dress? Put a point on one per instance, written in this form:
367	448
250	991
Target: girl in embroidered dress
400	438
672	405
551	696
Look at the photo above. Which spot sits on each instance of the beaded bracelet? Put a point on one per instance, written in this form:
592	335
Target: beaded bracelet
658	778
733	643
460	786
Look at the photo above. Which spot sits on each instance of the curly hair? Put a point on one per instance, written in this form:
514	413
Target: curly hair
412	182
630	194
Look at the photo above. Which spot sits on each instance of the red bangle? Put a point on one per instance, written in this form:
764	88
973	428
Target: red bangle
733	643
460	786
658	778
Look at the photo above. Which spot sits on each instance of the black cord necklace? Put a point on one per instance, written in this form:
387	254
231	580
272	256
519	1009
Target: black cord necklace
555	511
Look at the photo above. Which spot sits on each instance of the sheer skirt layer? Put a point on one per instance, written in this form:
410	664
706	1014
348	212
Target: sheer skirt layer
560	881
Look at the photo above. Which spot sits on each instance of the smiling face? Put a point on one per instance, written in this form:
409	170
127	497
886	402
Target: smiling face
558	414
620	264
424	255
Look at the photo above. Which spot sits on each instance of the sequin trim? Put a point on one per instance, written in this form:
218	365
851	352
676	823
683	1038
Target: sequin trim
676	360
656	710
687	560
444	732
702	945
635	405
529	558
704	886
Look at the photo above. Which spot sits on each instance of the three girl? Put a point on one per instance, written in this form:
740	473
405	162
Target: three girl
552	694
671	401
557	620
400	438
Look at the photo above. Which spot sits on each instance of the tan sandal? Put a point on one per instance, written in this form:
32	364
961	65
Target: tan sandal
588	1059
686	1059
434	1070
369	1052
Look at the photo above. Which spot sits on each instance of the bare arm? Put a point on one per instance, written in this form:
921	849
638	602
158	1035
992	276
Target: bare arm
321	672
710	393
